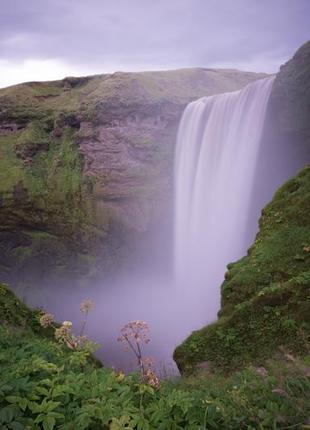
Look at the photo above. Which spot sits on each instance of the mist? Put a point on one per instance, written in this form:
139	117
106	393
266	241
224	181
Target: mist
148	297
175	296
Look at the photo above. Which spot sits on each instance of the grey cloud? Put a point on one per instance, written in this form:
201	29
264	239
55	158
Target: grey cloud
168	33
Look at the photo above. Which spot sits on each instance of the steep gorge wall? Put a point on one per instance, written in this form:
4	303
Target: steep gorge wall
86	168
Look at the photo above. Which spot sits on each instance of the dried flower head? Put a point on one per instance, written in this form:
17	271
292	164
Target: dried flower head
46	320
133	335
86	306
151	379
135	330
67	324
64	331
61	333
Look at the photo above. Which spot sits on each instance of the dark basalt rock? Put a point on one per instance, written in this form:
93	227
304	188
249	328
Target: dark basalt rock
290	97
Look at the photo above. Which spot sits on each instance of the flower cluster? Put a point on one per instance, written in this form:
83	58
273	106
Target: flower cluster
86	306
149	375
67	324
63	332
46	320
136	331
133	335
151	379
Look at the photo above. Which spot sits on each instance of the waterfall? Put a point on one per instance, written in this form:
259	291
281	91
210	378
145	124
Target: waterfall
216	155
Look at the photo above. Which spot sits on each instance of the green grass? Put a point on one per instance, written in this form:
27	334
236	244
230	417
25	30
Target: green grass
39	100
11	171
265	295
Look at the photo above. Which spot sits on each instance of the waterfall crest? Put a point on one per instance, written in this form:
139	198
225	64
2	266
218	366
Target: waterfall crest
216	155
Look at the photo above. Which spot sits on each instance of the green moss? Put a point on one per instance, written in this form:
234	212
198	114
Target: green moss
13	312
53	180
265	295
42	203
37	100
40	235
11	171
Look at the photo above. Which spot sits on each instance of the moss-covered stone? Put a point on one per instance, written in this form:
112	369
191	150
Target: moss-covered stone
266	295
43	215
14	314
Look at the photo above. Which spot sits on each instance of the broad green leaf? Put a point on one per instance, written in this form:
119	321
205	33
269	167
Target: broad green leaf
49	423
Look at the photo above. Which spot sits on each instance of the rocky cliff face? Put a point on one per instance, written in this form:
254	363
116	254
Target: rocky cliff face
86	167
291	94
265	295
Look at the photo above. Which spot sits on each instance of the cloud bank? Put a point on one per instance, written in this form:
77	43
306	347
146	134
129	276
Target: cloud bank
50	39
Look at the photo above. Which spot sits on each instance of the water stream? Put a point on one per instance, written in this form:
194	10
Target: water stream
216	156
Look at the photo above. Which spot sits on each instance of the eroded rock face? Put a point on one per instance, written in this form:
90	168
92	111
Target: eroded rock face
8	128
131	161
291	94
86	167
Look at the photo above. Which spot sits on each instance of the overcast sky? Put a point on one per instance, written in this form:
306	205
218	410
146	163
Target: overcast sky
51	39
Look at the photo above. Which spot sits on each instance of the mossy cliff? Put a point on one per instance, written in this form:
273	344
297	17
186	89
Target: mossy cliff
266	295
86	166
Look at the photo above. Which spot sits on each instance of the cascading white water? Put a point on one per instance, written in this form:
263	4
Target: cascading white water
216	156
216	159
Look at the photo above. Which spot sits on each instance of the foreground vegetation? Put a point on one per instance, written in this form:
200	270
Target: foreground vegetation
45	385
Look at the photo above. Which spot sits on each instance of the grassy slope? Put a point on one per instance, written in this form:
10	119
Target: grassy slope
265	296
36	99
43	385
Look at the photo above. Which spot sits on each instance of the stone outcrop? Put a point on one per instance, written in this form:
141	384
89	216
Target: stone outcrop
291	94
